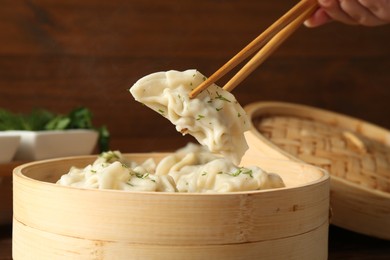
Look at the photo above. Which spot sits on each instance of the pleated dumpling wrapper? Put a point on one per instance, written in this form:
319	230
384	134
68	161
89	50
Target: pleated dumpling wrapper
214	117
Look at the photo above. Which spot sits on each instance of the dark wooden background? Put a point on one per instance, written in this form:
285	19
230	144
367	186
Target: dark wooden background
65	53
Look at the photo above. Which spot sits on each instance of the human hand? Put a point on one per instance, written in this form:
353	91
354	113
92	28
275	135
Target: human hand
352	12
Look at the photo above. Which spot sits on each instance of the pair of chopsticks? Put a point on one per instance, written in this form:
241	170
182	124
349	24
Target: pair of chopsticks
267	42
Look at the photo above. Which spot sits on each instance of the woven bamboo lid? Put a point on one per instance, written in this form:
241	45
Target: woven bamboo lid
354	152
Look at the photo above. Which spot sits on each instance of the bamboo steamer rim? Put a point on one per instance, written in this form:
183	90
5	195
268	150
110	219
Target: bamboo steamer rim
18	172
257	109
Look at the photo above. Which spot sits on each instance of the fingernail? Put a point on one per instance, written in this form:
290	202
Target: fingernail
307	23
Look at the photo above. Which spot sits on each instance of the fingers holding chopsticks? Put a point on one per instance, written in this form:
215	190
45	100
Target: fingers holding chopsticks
353	12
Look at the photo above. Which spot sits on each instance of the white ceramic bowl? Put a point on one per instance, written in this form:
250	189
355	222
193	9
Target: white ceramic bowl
38	145
9	143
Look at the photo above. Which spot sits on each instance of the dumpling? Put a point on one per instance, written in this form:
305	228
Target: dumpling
214	117
194	170
190	169
112	171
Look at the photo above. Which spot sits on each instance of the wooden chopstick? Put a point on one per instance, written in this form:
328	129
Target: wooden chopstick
270	39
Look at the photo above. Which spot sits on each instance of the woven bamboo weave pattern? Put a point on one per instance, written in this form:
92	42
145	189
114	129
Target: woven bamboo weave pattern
343	153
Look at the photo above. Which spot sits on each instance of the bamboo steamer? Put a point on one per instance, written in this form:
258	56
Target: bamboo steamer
57	222
354	152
